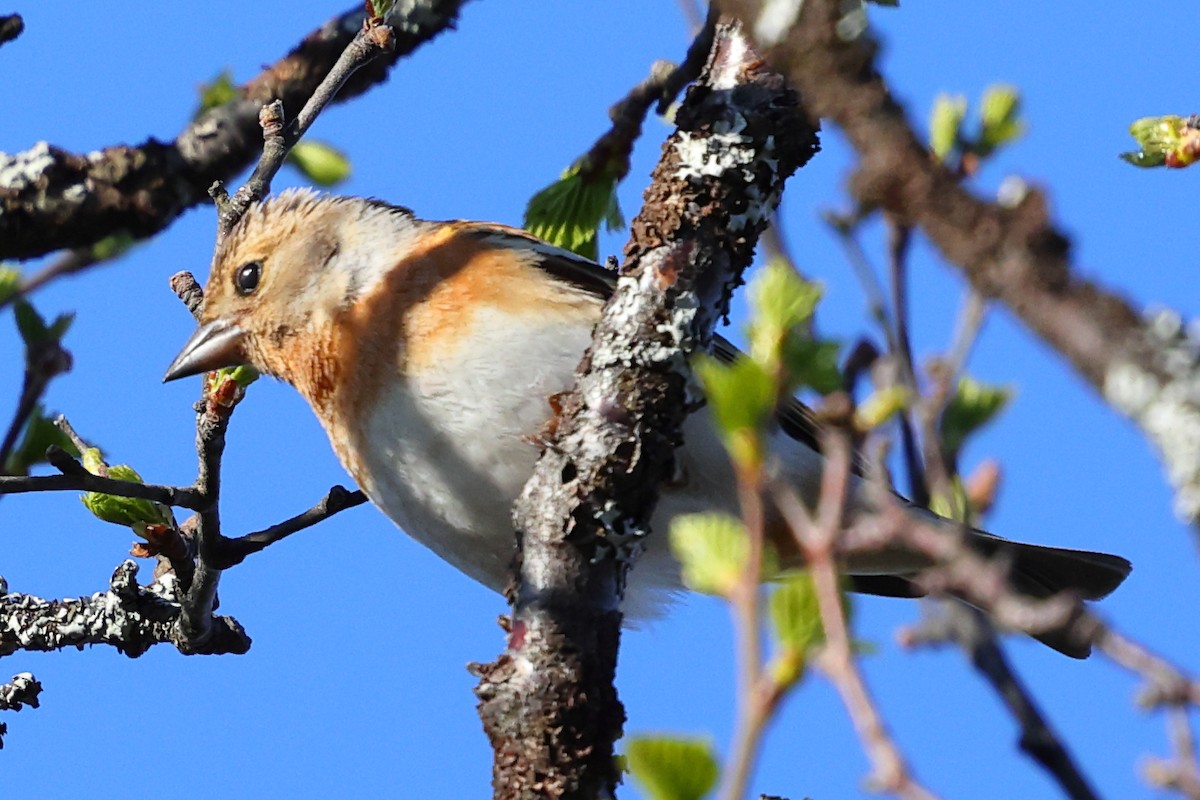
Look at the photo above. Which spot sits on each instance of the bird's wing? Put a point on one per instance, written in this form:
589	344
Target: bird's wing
795	418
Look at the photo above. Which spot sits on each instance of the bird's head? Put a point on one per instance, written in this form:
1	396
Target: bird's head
283	275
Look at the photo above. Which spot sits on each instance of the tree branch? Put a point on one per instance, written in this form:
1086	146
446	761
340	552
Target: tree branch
373	40
128	617
179	496
548	704
1147	368
233	551
11	26
51	199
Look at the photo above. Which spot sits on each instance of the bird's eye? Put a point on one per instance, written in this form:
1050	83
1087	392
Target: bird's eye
245	280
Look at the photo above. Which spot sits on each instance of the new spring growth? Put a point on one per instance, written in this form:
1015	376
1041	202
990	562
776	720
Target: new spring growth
227	386
132	512
1170	141
783	357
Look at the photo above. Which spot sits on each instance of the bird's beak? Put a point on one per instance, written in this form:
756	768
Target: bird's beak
214	345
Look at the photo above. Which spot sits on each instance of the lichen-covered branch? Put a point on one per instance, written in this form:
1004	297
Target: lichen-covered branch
51	199
127	616
21	691
1146	367
548	704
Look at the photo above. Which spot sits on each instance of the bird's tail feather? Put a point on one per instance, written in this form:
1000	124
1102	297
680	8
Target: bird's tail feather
1037	571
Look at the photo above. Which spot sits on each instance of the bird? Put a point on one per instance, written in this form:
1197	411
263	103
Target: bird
430	352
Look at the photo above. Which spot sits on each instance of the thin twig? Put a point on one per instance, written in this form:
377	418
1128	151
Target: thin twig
212	419
234	551
179	496
188	290
917	468
693	62
817	540
68	264
969	628
756	693
375	39
44	361
845	227
11	26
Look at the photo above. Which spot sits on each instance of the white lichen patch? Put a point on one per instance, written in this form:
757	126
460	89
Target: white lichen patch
775	19
20	170
713	154
726	74
726	154
1165	403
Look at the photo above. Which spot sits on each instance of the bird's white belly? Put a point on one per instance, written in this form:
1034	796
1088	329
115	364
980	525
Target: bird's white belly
446	452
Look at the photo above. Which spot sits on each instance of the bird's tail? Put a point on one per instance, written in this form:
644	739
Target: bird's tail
1037	571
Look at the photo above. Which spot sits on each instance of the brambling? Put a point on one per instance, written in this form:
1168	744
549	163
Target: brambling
429	352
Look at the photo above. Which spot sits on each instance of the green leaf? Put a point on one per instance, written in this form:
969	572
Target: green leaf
796	624
672	768
60	326
131	511
973	406
742	396
880	406
780	302
1000	121
33	328
10	281
217	92
321	163
40	432
568	213
712	549
779	298
30	324
381	8
113	246
1168	140
1143	158
242	375
813	364
945	124
955	505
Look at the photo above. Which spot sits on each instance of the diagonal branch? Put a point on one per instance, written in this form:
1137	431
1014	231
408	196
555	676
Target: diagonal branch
1146	368
548	704
234	551
52	199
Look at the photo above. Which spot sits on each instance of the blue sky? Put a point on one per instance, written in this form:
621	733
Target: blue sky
356	684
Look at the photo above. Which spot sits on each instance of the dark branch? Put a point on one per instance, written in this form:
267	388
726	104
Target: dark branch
234	551
970	629
11	26
140	190
179	496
